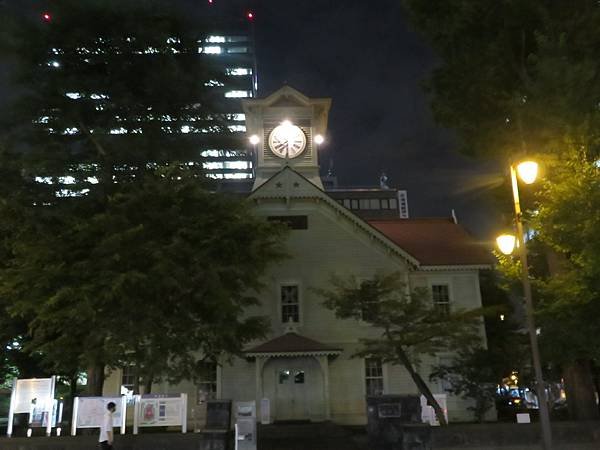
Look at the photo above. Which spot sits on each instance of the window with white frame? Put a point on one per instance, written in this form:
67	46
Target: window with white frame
128	374
370	307
290	303
207	387
441	298
374	376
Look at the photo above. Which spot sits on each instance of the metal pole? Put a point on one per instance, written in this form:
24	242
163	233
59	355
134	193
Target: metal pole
529	313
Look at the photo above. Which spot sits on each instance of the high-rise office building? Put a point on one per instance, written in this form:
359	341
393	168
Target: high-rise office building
225	43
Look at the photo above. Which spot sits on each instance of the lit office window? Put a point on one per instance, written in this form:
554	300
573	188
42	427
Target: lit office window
237	128
118	131
215	39
236	38
210	50
237	50
212	165
238	71
237	117
237	176
238	94
210	153
213	83
238	165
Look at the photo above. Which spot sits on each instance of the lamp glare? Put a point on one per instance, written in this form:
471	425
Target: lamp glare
319	139
528	171
254	139
506	243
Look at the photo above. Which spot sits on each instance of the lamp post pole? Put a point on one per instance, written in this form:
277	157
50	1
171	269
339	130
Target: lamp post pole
535	350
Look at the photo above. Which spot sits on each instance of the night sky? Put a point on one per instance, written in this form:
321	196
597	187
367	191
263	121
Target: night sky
365	56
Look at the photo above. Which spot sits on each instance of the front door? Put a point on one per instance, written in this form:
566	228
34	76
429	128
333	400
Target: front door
291	392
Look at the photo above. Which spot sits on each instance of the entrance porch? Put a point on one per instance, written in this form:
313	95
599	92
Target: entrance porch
292	371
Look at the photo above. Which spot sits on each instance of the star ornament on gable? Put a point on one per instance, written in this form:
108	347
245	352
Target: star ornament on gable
279	184
296	184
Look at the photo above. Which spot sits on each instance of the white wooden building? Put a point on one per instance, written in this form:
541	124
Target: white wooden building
305	366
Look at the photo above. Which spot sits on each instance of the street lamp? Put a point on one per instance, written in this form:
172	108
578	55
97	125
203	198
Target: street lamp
527	171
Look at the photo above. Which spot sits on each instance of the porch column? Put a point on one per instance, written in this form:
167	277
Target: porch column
259	365
324	363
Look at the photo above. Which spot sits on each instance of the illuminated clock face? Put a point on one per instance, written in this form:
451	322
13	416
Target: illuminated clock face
287	140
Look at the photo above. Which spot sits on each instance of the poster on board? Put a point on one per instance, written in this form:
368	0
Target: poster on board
34	393
160	410
91	410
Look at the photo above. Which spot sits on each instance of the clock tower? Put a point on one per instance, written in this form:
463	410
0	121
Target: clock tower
286	129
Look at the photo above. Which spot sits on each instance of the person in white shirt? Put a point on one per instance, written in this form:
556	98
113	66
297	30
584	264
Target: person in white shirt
106	429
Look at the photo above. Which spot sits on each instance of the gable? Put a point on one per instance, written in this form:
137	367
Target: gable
286	190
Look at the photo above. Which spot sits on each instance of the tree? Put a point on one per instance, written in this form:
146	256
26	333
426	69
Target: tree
521	77
472	375
410	327
116	252
475	372
159	279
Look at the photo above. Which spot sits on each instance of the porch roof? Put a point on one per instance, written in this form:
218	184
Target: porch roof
292	344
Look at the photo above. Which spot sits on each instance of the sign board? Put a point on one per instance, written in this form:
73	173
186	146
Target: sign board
160	410
34	392
428	413
34	396
523	418
88	412
389	410
245	425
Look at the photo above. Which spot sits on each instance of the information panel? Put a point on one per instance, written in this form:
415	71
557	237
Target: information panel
88	412
161	410
33	393
30	396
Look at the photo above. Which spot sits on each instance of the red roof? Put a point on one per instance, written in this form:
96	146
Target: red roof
435	242
292	343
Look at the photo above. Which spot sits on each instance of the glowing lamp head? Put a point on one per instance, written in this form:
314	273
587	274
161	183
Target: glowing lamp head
254	139
528	171
319	139
250	15
46	17
506	243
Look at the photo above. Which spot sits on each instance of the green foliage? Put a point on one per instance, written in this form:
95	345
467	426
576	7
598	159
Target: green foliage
522	77
514	74
125	67
406	320
472	374
130	260
159	278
